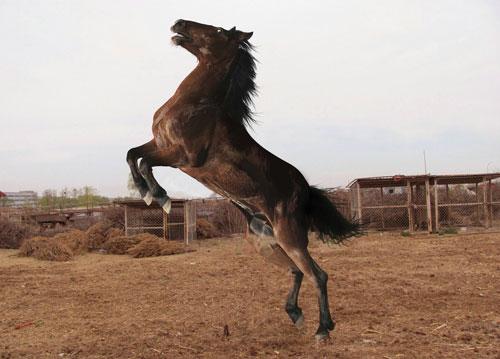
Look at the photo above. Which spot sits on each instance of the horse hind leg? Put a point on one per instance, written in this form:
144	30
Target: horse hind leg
293	239
265	244
273	253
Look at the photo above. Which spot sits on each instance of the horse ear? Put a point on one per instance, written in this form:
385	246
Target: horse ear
244	36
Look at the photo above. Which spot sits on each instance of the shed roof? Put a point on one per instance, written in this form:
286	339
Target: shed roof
139	203
402	180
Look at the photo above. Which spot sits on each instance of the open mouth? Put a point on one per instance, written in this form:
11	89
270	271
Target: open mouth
180	38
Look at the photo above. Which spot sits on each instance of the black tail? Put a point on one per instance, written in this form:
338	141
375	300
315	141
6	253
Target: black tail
326	220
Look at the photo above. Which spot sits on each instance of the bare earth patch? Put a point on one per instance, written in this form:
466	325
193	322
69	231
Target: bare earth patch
392	297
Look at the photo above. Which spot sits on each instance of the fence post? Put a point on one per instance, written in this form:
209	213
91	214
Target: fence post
358	192
485	203
490	203
126	220
186	218
428	204
436	203
410	209
382	208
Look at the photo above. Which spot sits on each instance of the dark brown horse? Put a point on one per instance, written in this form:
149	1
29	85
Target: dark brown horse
202	131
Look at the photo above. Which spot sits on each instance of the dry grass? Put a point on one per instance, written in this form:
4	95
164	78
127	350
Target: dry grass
75	240
13	234
44	248
98	234
392	297
206	229
64	246
120	244
155	246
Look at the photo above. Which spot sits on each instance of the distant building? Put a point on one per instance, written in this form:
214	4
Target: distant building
21	198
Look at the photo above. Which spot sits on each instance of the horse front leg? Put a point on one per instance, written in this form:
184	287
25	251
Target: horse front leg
133	156
157	158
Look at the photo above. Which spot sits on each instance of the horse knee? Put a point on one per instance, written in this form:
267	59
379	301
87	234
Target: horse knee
131	155
144	167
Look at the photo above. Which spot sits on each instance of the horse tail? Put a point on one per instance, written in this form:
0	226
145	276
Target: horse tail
325	219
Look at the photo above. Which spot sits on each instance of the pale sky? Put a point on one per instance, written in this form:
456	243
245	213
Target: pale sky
347	88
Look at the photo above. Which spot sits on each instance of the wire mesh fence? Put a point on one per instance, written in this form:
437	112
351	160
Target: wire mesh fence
179	224
224	215
427	203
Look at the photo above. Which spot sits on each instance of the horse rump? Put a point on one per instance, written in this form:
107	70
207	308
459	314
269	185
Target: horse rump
326	220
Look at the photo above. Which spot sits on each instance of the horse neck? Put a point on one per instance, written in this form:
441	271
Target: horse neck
205	79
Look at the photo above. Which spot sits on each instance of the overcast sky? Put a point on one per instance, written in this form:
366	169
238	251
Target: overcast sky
347	88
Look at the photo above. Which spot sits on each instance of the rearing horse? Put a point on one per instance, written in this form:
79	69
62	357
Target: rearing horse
202	131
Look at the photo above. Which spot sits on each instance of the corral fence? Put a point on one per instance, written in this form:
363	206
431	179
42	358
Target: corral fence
426	202
224	215
179	224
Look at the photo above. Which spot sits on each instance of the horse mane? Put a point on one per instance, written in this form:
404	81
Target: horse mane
241	86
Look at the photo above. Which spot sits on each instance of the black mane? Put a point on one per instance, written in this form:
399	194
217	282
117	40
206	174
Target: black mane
241	86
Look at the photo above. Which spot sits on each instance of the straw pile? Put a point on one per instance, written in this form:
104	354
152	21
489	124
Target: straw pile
119	244
64	246
152	246
13	234
98	234
46	249
74	239
206	229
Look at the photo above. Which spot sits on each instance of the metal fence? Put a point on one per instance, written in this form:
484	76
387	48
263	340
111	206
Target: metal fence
179	224
224	215
430	203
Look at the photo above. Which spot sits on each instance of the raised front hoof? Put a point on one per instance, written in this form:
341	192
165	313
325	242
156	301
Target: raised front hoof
148	198
165	203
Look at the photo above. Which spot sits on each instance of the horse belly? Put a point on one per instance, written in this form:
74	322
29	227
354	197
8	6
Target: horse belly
226	181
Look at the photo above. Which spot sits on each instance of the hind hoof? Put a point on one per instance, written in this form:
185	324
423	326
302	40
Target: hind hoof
299	323
322	336
148	198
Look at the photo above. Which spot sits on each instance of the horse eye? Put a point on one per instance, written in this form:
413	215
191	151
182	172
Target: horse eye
219	30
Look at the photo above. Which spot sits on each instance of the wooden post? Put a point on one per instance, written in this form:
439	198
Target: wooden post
358	193
409	194
382	203
436	203
428	204
165	228
126	220
490	203
485	203
477	207
186	224
448	207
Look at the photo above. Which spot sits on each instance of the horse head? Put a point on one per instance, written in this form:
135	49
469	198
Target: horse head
206	42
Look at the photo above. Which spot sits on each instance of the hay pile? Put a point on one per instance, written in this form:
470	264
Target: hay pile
119	244
46	249
206	229
152	246
13	234
75	240
98	234
101	236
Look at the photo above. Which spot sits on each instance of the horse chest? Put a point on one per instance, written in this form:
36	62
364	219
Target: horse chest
177	127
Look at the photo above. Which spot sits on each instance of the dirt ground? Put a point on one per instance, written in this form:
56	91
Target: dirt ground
392	297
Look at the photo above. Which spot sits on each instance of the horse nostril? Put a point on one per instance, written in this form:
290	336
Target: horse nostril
180	23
